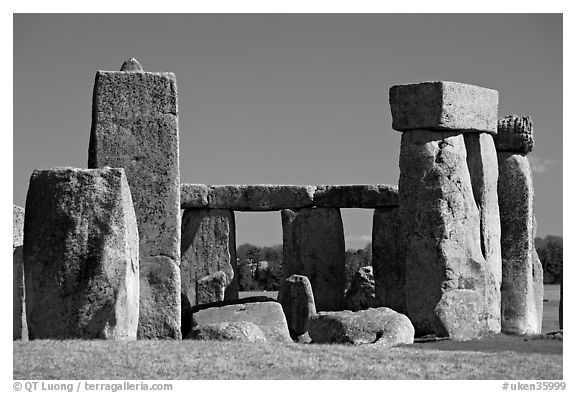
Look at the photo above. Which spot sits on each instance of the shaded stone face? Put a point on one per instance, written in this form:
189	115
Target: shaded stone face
208	246
313	246
381	326
193	196
260	197
210	289
483	166
362	293
441	227
135	127
19	328
81	255
360	196
515	134
388	259
228	331
297	300
268	316
443	106
522	282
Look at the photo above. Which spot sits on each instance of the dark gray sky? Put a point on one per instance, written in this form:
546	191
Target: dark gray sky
286	98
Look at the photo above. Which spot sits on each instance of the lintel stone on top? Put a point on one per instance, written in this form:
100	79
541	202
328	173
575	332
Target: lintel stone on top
193	196
260	197
444	106
366	196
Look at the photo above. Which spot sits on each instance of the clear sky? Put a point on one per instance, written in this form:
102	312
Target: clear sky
286	98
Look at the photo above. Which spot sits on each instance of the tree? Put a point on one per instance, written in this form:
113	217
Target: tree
550	252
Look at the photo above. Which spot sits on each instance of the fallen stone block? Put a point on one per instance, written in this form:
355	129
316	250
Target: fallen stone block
135	127
362	293
381	326
297	300
193	196
81	255
211	288
360	196
444	106
515	134
313	246
260	197
19	327
228	331
268	316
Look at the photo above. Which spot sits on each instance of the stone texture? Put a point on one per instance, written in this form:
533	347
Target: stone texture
228	331
193	196
131	65
297	300
268	316
441	227
361	196
81	255
522	282
135	127
19	328
210	289
208	246
442	106
362	293
459	310
515	134
483	167
260	197
381	326
389	259
313	246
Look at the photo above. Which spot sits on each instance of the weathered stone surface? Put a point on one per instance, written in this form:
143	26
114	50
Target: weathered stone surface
459	310
441	229
313	246
361	196
381	326
362	293
297	300
81	255
211	288
268	316
135	127
208	246
443	105
522	285
19	328
260	197
389	259
193	196
483	167
515	134
131	65
228	331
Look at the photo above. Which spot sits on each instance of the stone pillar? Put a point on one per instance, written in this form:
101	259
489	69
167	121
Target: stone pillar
135	127
446	273
522	279
19	329
208	246
81	255
297	300
388	259
313	246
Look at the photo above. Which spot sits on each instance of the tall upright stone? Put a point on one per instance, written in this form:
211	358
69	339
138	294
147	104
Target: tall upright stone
297	300
446	273
208	246
313	246
388	259
81	255
135	127
19	329
522	278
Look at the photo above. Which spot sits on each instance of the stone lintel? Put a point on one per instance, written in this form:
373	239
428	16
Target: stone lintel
193	196
260	197
366	196
515	134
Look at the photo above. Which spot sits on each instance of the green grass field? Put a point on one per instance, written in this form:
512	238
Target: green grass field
493	357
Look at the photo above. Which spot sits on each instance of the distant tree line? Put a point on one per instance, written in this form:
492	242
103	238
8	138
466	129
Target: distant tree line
550	252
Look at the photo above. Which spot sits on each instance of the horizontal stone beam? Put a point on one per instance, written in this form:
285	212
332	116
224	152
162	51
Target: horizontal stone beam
273	197
444	106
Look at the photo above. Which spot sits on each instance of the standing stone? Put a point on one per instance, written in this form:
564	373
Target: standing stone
313	246
522	281
388	259
440	223
483	166
208	246
135	127
362	293
297	300
19	328
81	255
210	289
